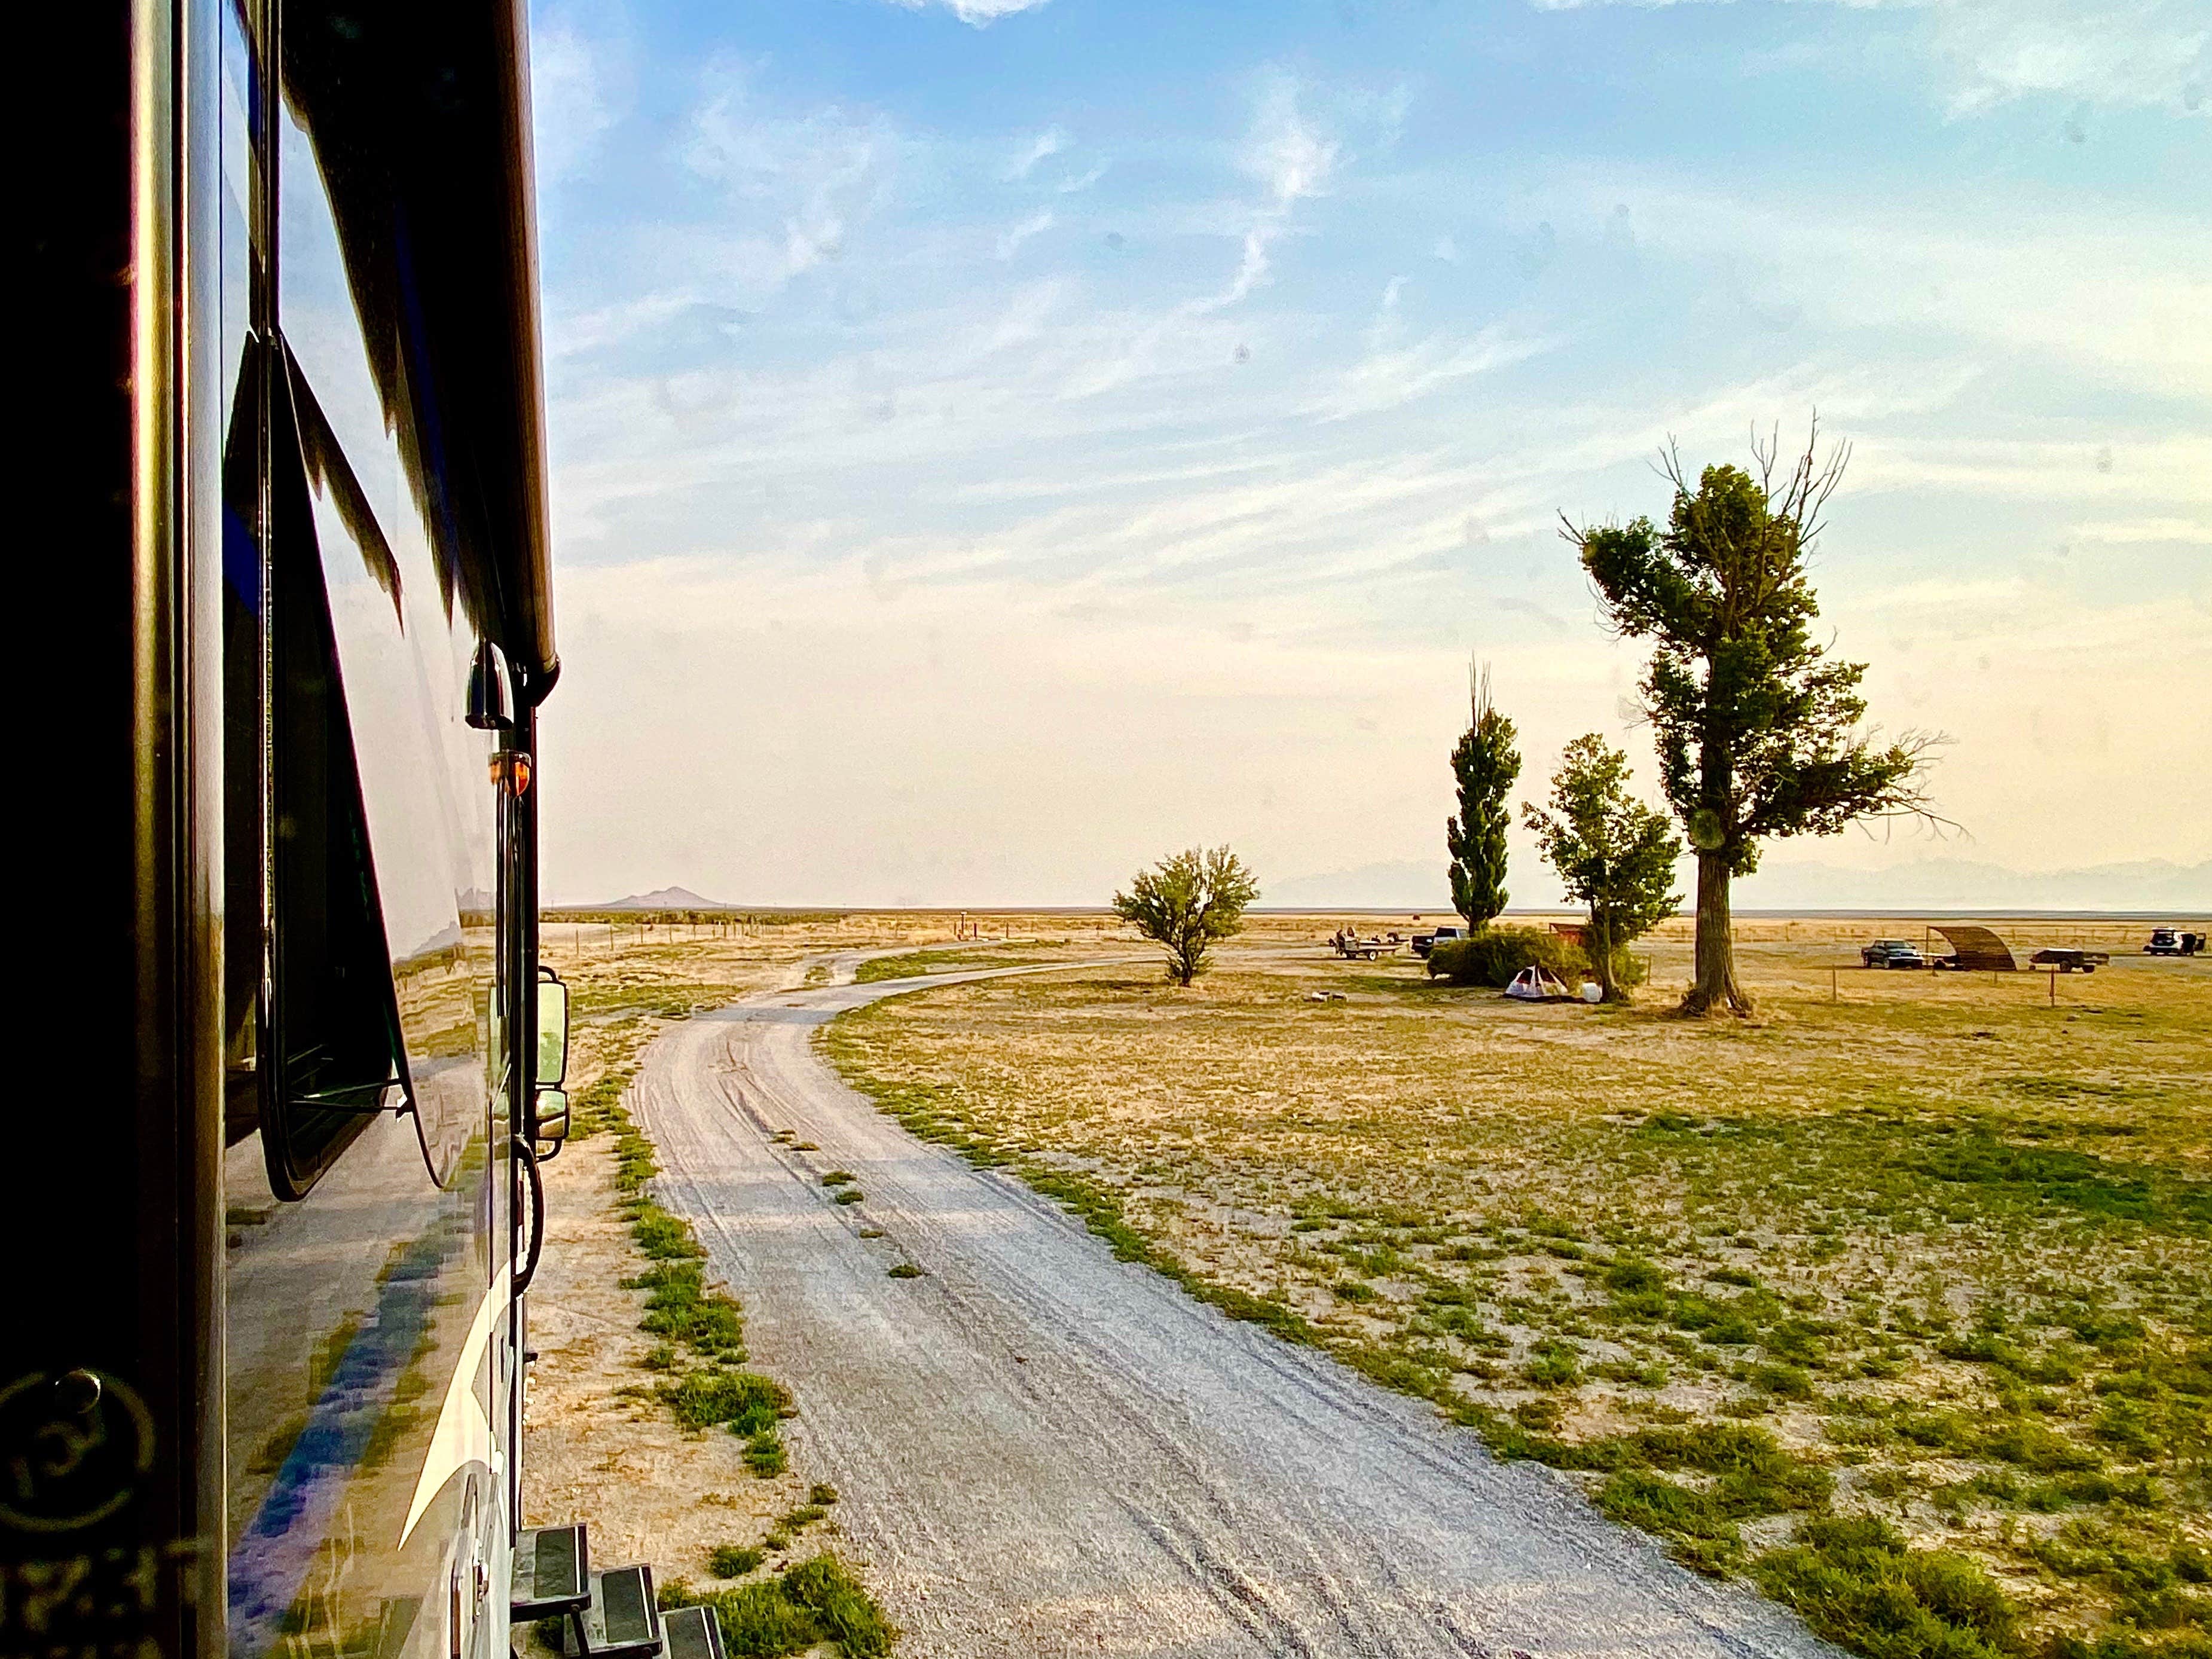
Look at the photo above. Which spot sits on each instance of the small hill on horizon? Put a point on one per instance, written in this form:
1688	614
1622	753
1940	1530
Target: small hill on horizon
664	898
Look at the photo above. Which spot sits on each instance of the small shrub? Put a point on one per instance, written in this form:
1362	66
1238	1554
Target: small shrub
1494	955
1784	1381
905	1270
1540	1416
838	1178
850	1195
764	1454
758	1621
1354	1290
747	1402
1854	1582
1554	1366
822	1492
2032	1446
845	1612
1938	1431
732	1560
1697	1534
1628	1274
663	1236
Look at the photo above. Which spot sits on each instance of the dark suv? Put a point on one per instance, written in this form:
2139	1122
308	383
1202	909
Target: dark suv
1892	953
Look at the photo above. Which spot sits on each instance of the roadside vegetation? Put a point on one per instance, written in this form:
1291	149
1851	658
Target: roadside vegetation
1899	1305
910	963
769	1594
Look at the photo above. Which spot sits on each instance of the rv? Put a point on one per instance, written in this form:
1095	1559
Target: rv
281	520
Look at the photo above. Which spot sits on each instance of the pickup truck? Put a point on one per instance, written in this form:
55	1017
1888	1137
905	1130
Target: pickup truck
1425	942
1892	953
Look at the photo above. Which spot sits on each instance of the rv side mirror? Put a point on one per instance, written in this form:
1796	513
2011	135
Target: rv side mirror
552	1125
552	1069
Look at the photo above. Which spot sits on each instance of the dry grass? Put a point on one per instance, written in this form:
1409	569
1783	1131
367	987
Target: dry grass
1937	1253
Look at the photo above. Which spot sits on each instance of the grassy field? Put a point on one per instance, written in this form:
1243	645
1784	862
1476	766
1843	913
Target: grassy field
1897	1299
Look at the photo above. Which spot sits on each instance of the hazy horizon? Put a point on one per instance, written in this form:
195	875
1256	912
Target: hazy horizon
997	443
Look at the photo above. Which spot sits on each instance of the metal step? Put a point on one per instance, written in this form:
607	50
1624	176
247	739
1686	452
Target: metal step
620	1621
692	1633
552	1573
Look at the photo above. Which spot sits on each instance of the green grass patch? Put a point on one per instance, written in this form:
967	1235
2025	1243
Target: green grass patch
747	1402
1696	1533
1855	1582
734	1560
2077	1180
815	1601
915	963
764	1453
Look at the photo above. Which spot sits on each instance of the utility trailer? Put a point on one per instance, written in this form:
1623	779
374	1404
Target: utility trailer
1349	946
280	442
2067	959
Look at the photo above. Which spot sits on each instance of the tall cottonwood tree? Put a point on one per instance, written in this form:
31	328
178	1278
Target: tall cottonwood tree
1614	853
1486	765
1757	728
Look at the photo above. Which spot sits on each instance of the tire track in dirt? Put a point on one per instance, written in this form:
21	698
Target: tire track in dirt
1046	1452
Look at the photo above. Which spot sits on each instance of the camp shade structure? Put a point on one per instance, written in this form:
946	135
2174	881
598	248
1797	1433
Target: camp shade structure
1976	949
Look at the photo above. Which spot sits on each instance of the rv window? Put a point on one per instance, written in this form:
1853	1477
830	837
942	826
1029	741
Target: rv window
331	1057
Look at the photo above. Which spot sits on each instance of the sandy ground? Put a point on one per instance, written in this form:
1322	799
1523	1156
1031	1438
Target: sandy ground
1045	1451
599	1447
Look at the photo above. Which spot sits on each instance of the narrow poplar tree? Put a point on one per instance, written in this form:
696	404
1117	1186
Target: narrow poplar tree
1486	764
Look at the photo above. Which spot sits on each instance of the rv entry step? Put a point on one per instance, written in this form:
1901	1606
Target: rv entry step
692	1633
620	1621
552	1573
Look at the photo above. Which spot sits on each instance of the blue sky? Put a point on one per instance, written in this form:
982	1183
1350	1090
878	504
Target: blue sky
995	444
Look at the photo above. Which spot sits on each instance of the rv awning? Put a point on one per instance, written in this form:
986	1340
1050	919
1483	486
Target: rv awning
418	112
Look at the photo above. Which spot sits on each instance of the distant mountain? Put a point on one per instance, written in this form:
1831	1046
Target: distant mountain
2148	884
666	898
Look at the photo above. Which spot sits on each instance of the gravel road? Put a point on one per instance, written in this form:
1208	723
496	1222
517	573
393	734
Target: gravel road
1046	1452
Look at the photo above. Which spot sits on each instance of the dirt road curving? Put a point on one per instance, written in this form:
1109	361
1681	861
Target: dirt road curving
1047	1452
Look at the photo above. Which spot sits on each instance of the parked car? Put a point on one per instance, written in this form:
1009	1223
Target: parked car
2068	960
1425	942
1892	953
2173	942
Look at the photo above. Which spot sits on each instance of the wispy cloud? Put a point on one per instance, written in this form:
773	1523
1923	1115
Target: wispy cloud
2125	53
816	172
1046	144
1084	181
579	88
1036	224
1388	377
1284	150
977	14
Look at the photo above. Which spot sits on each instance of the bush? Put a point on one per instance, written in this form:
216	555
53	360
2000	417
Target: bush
1697	1534
1493	955
844	1609
1857	1583
748	1403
